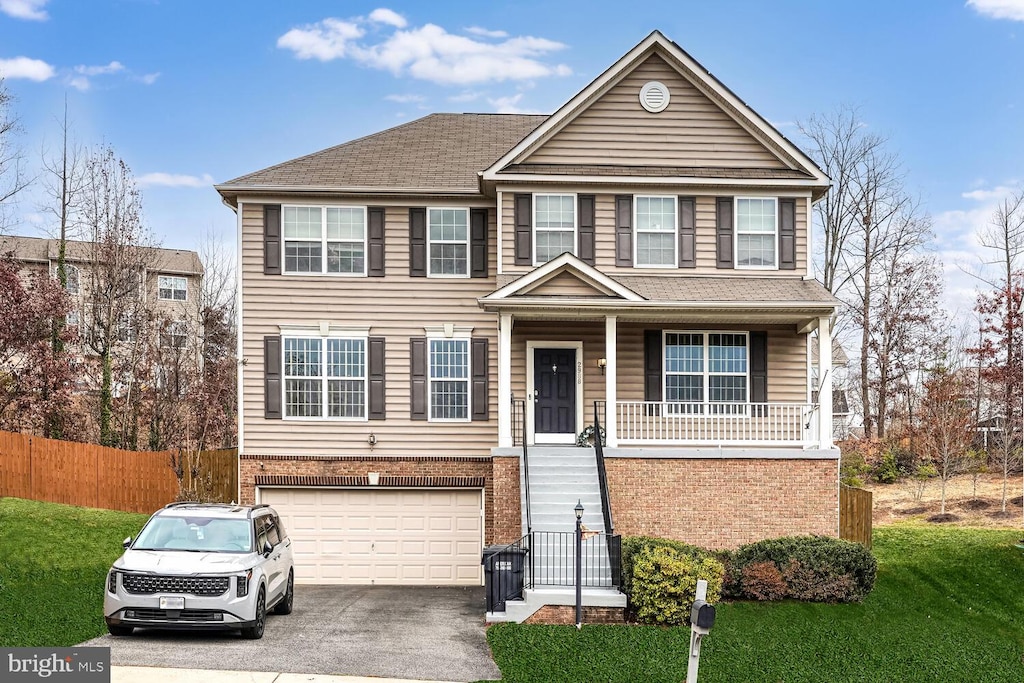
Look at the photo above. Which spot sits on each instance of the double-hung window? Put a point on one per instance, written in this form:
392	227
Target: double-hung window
324	239
756	232
656	241
448	233
554	226
706	372
173	288
449	379
325	377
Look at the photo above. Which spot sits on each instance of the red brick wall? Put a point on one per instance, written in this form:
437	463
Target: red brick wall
723	503
566	614
508	519
252	466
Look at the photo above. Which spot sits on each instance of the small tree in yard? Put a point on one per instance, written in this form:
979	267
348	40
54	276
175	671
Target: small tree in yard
945	427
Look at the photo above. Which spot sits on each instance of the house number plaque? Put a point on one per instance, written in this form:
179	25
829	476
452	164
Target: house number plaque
579	372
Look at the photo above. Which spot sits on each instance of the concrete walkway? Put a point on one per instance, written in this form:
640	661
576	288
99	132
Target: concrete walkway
146	674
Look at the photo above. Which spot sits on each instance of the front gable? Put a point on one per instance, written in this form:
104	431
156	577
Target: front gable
568	284
565	276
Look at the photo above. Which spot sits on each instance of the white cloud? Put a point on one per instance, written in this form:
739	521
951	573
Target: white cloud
111	68
326	40
25	9
427	53
467	96
510	105
25	67
999	9
175	180
486	33
384	15
80	83
149	79
405	99
987	195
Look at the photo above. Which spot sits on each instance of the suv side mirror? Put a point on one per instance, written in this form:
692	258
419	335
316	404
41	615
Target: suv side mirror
267	548
126	542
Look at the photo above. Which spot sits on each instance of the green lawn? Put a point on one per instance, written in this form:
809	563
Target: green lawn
948	606
53	562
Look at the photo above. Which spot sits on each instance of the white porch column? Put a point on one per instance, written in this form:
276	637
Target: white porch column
610	376
825	382
505	381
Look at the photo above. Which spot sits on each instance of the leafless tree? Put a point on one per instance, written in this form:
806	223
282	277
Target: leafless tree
13	178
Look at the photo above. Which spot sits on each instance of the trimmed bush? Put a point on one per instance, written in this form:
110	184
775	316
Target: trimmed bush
813	568
664	584
634	545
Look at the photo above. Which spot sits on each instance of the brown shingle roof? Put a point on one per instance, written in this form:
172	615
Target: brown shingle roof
438	153
40	249
657	171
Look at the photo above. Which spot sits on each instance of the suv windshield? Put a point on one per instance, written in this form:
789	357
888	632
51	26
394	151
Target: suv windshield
196	534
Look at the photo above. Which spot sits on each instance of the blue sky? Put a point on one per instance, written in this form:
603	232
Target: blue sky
192	92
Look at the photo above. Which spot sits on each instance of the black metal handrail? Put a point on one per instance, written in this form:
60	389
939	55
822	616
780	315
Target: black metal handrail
553	559
519	420
602	473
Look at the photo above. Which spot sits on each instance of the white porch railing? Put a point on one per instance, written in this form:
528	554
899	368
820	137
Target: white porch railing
741	424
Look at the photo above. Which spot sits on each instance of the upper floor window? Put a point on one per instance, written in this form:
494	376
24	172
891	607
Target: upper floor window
325	377
174	334
554	226
448	236
756	232
173	288
324	239
656	240
706	372
449	379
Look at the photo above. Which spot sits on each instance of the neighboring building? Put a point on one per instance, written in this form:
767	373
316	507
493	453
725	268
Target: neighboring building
643	252
842	418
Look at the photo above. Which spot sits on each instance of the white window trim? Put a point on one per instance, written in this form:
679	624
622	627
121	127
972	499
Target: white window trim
323	240
575	223
736	234
469	231
173	289
459	335
68	267
675	233
298	332
706	334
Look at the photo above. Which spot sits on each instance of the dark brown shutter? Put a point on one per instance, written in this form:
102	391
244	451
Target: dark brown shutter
375	241
480	369
787	234
758	367
586	227
272	377
478	242
652	365
417	242
271	239
418	378
522	208
375	375
687	232
724	232
624	230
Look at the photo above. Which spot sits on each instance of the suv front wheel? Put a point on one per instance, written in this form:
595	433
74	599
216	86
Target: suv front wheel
255	632
285	606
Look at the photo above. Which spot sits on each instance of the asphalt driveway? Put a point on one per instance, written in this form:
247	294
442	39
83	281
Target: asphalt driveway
393	631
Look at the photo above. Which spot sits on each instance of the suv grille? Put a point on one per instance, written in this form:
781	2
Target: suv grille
147	584
180	615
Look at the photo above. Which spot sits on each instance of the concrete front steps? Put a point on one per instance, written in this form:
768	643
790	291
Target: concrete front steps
519	611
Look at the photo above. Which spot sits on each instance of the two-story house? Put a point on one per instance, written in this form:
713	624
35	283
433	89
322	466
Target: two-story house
430	311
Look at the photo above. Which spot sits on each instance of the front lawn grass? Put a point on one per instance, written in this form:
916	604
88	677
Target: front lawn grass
948	605
53	564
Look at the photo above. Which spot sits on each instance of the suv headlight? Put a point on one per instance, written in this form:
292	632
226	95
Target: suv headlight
112	581
242	584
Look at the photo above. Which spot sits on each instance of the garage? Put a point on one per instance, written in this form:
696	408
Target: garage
382	536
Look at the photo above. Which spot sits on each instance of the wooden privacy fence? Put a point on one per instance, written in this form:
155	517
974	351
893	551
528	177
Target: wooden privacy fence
96	476
855	515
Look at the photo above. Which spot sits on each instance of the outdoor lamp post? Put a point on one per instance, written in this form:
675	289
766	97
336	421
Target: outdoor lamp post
579	563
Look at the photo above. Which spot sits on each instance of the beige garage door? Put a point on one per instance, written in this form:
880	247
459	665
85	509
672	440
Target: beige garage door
382	536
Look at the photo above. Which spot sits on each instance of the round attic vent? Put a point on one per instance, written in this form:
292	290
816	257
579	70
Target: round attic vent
654	96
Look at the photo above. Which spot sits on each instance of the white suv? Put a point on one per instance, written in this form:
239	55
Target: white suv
206	566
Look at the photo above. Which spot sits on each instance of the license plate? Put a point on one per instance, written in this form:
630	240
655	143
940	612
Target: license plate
172	603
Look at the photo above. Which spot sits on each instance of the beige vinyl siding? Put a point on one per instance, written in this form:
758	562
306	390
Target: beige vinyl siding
706	235
787	357
396	307
565	284
692	131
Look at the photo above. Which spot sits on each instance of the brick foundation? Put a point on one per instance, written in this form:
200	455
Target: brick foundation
508	515
723	503
566	614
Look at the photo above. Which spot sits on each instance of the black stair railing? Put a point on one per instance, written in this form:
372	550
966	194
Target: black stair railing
602	474
519	438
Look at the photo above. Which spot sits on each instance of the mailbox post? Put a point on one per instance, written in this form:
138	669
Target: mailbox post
702	618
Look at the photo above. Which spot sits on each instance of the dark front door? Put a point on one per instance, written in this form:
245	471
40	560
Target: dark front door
554	379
